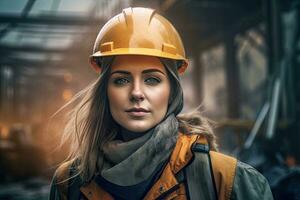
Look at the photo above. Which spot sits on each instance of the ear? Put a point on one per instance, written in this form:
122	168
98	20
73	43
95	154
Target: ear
182	67
94	64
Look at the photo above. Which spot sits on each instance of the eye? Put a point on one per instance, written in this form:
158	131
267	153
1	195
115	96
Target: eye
152	81
120	81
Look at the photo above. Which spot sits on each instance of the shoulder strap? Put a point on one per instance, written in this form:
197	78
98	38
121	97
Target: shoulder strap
199	176
210	175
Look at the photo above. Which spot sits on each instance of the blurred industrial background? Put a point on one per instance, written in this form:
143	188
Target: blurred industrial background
244	73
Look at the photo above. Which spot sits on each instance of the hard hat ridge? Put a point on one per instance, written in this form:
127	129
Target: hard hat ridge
139	31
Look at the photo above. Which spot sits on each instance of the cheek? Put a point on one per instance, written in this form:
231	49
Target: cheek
159	98
115	97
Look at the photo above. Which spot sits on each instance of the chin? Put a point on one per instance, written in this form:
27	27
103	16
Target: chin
139	127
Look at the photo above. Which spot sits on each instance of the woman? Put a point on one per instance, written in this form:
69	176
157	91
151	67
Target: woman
129	141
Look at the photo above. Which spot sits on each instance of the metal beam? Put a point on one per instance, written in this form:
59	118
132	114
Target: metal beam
232	78
31	49
25	62
273	25
43	31
28	7
51	20
24	13
197	77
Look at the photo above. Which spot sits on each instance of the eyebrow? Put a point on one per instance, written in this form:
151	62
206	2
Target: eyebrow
143	72
120	72
152	70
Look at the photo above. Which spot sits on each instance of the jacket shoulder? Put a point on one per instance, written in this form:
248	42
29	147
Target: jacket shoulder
250	184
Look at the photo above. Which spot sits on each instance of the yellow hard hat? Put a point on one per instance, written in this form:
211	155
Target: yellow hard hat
139	31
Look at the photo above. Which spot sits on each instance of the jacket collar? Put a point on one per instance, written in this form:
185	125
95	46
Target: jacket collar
180	157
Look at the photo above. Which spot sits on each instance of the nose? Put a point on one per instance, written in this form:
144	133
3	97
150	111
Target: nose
137	94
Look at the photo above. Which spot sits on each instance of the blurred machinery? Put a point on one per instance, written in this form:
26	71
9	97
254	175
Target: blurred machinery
20	156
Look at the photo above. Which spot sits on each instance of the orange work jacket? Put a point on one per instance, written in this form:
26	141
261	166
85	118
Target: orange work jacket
167	187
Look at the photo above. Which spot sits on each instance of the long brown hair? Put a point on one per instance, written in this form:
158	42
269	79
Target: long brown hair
90	124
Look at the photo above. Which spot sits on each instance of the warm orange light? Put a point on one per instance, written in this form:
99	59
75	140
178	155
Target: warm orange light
4	132
67	95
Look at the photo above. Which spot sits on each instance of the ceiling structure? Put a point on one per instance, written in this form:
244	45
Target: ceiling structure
43	41
34	32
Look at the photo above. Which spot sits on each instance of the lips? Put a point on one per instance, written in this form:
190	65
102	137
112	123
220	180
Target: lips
137	112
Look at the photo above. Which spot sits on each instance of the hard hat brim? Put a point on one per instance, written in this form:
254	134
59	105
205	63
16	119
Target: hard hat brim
145	52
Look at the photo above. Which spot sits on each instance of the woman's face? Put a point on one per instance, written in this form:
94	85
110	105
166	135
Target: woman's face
138	92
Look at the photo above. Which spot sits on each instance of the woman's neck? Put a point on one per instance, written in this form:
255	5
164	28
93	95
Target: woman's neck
129	135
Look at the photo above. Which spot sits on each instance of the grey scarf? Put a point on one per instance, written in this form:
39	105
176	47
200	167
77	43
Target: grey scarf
130	163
